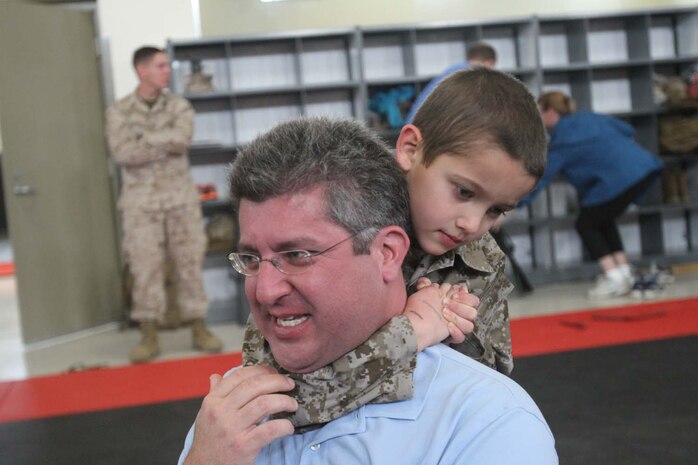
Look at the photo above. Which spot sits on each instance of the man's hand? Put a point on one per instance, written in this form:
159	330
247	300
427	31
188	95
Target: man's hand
228	429
440	312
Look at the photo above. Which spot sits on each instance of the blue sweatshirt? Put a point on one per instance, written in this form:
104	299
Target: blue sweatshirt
431	86
597	155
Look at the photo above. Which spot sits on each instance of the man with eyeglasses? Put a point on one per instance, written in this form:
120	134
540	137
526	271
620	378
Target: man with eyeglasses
323	216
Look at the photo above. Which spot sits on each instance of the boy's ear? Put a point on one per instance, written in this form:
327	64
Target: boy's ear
390	248
407	150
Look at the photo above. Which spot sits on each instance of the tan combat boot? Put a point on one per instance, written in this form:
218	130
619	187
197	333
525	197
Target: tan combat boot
203	339
148	348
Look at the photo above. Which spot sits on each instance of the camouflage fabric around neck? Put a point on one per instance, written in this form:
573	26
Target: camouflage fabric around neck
378	371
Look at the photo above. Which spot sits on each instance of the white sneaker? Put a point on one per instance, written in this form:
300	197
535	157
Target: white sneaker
606	288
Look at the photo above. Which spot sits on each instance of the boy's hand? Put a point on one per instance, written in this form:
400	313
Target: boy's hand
460	310
440	312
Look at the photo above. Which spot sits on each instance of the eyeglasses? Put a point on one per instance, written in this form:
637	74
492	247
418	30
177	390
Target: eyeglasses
289	262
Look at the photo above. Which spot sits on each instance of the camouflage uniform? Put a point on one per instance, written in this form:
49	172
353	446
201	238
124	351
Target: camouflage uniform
380	370
158	202
481	267
377	370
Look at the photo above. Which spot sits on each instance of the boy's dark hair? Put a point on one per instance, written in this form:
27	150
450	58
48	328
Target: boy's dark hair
482	105
481	51
144	54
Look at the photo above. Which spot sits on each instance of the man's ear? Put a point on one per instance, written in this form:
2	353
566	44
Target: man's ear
407	149
390	247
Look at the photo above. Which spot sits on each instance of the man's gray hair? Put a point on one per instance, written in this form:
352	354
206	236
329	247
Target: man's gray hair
364	187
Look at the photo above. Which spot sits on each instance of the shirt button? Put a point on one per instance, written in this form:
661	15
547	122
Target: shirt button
314	447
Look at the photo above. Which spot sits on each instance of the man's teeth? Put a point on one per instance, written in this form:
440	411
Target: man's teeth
291	321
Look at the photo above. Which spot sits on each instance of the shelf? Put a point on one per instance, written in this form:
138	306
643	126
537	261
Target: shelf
634	113
216	260
207	148
673	158
566	68
216	95
604	61
212	206
398	81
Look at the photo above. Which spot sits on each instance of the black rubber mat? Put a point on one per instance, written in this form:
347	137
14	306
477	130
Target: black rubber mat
633	404
150	435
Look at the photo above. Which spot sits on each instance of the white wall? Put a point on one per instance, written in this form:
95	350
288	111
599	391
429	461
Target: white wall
226	17
129	24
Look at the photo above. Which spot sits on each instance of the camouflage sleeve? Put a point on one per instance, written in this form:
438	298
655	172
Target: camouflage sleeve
175	138
378	371
490	342
126	145
388	358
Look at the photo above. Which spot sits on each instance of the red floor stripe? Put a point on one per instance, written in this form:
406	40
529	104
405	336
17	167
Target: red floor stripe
604	327
7	268
184	379
110	388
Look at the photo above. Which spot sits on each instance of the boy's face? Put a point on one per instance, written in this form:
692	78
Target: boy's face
458	198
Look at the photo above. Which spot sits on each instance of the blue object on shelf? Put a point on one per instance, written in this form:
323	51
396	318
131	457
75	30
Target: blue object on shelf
387	103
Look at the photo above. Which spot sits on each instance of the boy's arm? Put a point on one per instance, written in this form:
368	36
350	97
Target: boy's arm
440	313
490	342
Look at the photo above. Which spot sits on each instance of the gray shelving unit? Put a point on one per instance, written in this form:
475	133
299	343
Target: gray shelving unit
605	62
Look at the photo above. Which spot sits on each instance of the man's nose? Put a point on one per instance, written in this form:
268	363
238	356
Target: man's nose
270	284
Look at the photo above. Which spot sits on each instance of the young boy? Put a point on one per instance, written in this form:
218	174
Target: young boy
476	147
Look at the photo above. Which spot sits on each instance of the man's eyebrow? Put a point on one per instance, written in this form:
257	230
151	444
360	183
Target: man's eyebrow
302	242
242	247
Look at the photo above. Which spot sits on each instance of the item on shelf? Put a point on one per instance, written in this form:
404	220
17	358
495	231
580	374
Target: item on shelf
658	83
393	104
207	192
678	134
675	186
199	81
675	91
692	82
220	232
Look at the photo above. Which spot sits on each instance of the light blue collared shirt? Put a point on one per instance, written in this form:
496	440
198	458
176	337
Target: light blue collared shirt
461	413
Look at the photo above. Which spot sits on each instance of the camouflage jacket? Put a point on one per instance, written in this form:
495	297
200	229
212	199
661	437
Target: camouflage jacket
150	145
380	370
481	267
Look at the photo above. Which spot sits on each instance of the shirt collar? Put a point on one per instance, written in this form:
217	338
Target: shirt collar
473	255
143	106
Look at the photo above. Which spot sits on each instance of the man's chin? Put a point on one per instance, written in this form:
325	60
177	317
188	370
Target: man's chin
292	359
